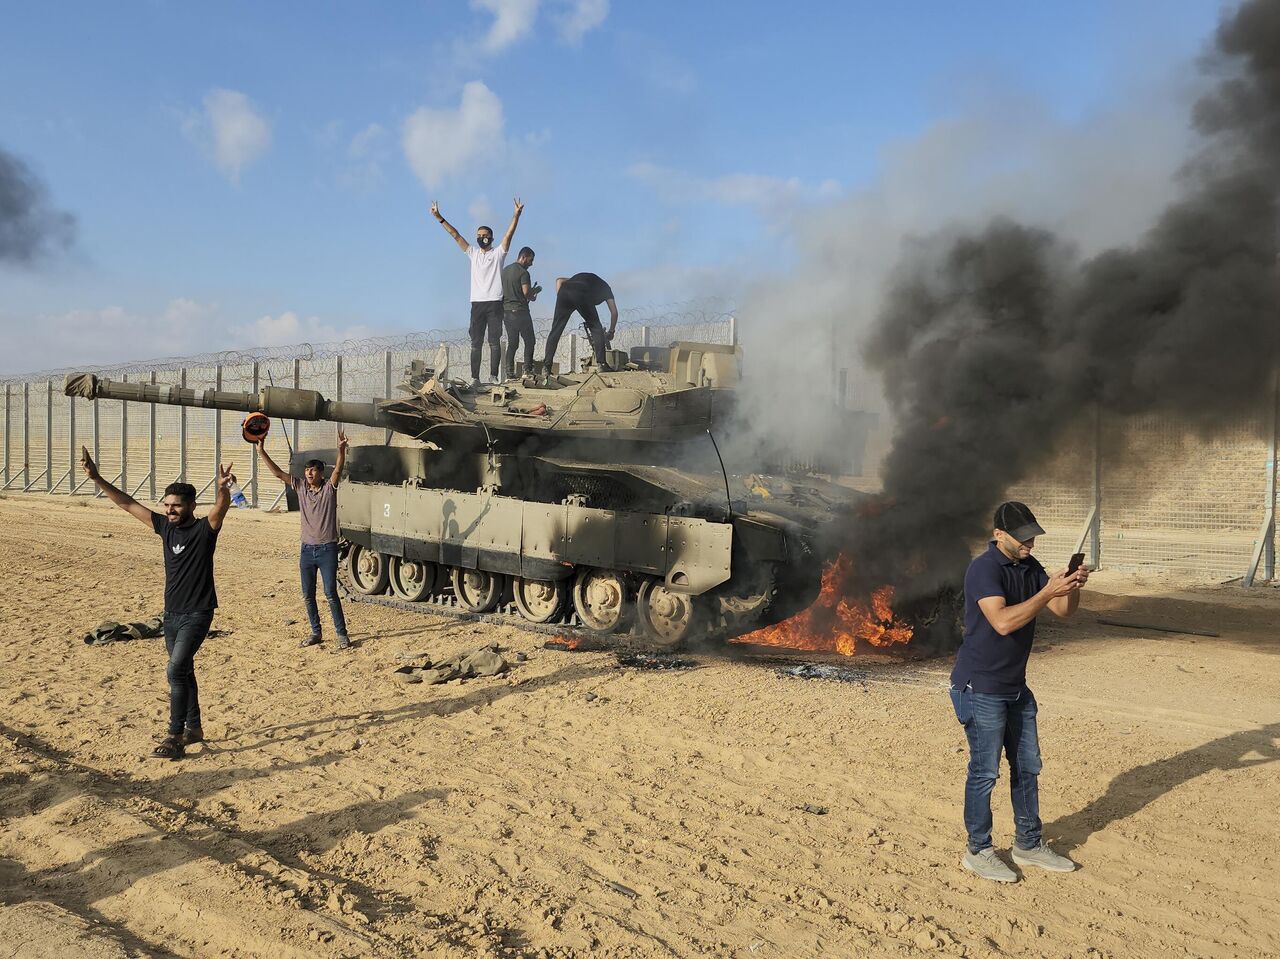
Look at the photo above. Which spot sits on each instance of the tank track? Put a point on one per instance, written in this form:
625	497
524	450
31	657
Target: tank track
444	603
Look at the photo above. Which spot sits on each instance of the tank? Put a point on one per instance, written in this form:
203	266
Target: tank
595	498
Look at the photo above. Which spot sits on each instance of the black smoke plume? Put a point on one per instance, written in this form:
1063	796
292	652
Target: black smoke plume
30	228
992	343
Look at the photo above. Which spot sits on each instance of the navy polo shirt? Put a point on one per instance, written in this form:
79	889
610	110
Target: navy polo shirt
991	662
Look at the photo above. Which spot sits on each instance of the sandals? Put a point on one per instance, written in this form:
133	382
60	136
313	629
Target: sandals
170	748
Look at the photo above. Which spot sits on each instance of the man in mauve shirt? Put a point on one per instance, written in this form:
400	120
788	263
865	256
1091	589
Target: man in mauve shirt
318	505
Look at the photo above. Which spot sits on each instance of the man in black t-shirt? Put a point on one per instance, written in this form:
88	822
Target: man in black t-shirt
189	594
518	291
582	292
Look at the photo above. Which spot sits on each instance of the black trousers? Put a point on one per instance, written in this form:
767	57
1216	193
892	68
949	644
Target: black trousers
519	324
565	308
486	318
184	633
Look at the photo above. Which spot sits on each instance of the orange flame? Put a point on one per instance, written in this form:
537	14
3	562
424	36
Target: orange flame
835	622
568	643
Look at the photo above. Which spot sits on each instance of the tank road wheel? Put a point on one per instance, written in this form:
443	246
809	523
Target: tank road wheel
751	605
412	580
368	570
668	617
478	590
600	597
540	600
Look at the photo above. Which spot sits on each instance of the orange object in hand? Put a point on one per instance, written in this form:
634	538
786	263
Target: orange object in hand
255	427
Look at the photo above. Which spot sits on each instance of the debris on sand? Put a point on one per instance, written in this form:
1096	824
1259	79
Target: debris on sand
653	661
485	661
113	632
842	674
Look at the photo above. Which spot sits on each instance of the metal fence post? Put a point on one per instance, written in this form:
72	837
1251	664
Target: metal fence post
97	446
573	352
1265	545
338	385
733	333
387	394
182	431
1095	551
73	481
8	398
253	454
48	438
1269	554
297	373
26	435
124	440
151	444
644	335
217	428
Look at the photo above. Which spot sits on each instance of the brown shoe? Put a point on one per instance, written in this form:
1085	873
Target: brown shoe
191	735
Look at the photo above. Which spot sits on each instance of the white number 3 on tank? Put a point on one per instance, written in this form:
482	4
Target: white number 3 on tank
386	509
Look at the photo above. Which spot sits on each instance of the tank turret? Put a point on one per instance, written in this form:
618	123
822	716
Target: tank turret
653	395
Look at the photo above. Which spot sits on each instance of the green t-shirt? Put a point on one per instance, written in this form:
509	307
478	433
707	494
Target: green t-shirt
514	279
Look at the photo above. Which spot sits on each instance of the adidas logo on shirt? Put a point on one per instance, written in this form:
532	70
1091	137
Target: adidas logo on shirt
178	548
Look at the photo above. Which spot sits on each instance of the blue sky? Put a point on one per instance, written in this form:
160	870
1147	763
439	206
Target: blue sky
254	174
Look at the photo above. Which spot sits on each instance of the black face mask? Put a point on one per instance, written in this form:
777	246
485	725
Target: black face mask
484	241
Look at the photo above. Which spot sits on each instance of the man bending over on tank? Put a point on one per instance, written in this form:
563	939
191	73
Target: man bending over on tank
318	506
189	595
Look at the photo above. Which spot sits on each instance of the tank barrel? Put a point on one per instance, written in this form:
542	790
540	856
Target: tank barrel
276	401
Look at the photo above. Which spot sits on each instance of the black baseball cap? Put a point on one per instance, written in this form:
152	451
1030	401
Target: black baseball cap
1017	520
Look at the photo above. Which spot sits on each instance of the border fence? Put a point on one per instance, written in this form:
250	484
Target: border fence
1146	494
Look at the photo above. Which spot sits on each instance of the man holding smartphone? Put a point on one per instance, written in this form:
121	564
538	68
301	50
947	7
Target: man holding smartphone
1005	588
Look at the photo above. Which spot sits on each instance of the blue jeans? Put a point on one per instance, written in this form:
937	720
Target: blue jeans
325	559
184	633
994	723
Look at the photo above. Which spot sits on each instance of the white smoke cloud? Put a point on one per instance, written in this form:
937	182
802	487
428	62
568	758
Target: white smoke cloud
439	143
774	197
233	129
1097	182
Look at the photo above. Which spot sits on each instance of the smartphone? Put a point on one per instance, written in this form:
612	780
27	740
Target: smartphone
1076	560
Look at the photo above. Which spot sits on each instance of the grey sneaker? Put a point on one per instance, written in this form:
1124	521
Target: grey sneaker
476	386
344	642
310	641
1044	857
988	865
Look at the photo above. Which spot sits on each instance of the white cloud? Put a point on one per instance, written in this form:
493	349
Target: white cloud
481	210
289	328
774	197
108	335
366	153
512	21
439	143
239	133
581	18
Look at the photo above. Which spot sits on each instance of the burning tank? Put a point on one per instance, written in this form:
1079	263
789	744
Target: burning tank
596	498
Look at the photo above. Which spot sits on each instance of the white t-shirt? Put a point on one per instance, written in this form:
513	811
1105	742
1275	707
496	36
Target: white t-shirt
486	272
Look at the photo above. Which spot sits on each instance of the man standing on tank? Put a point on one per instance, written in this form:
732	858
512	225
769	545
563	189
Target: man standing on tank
1005	588
318	506
486	288
189	594
518	292
581	293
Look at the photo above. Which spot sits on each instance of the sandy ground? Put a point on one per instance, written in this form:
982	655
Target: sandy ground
335	812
